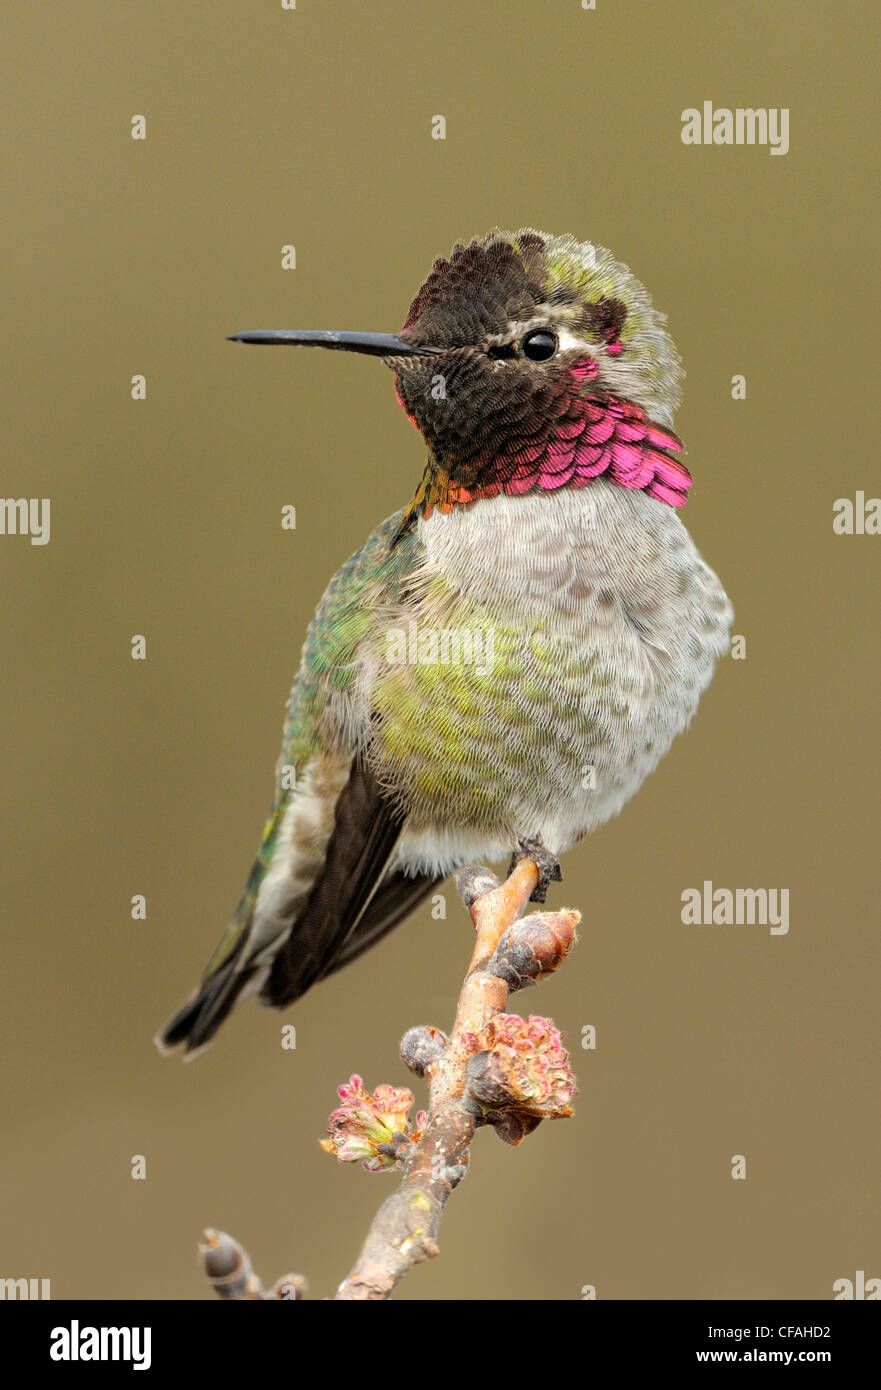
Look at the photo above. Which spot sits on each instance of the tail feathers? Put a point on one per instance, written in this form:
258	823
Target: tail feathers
195	1024
287	962
397	896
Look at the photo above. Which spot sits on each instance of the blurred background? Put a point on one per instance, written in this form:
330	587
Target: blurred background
312	127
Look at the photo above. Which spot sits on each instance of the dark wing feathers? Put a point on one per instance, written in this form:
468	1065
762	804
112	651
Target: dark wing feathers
353	903
397	896
196	1023
366	829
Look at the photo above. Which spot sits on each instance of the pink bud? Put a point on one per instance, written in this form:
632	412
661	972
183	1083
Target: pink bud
521	1064
373	1129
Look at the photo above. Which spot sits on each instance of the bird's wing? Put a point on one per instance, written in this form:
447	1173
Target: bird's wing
331	832
365	832
397	896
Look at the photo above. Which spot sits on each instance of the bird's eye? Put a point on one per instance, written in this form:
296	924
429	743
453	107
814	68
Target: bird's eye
539	346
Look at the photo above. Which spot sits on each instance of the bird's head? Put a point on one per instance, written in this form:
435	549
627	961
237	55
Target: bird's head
530	362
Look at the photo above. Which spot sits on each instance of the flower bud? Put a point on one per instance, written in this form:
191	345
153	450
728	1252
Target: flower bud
421	1046
534	947
520	1064
374	1129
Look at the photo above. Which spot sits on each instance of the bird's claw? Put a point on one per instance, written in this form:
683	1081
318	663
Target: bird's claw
548	865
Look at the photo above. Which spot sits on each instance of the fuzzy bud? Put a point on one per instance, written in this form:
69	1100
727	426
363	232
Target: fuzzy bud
228	1267
534	947
422	1046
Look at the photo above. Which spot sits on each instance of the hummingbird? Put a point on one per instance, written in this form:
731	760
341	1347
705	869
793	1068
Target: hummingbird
503	661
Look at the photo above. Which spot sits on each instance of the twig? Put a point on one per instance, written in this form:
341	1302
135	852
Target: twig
494	1069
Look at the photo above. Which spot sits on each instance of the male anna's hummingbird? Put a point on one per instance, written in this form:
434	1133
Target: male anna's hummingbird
507	658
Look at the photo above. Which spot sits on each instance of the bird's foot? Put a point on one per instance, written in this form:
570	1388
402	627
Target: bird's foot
549	870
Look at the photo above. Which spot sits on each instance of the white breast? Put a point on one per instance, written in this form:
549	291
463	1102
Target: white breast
612	574
574	555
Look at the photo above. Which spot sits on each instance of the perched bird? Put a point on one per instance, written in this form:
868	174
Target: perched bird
506	659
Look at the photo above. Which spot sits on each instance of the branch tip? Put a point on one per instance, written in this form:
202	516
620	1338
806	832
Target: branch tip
495	1069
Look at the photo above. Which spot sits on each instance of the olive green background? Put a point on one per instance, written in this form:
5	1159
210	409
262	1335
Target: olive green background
312	127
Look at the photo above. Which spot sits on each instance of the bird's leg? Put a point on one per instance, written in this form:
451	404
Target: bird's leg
547	863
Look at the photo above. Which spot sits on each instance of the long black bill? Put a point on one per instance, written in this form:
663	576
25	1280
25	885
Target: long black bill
374	344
